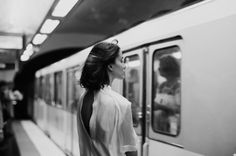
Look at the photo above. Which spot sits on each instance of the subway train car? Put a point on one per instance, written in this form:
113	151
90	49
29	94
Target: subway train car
191	115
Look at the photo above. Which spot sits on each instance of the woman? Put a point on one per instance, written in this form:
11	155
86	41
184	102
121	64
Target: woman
104	117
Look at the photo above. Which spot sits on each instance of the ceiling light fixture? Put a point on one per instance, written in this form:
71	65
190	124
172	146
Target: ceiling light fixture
24	57
49	25
63	7
39	39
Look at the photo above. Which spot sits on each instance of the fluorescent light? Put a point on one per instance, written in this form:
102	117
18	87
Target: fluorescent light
24	57
39	38
49	25
29	47
29	50
63	7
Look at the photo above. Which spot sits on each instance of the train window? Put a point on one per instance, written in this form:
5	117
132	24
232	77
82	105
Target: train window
58	88
51	90
43	88
36	89
132	87
70	90
74	90
48	87
40	88
166	91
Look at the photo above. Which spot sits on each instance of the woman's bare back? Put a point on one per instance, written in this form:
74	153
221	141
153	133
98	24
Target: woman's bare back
87	109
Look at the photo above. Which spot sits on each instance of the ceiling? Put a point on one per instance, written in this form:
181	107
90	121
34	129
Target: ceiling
19	21
89	21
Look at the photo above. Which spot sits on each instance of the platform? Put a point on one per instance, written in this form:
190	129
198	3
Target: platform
31	140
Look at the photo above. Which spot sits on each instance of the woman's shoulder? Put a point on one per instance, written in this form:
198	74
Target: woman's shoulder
110	96
106	98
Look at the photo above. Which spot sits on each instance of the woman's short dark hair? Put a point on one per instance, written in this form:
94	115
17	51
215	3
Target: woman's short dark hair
94	73
170	66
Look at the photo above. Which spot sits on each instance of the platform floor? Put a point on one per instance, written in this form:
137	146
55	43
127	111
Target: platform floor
32	141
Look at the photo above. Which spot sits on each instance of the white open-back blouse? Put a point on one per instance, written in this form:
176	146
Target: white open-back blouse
111	126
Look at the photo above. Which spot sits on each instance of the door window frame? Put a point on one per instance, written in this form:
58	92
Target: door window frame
154	135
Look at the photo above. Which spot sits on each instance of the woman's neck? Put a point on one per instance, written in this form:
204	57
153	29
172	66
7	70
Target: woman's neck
111	78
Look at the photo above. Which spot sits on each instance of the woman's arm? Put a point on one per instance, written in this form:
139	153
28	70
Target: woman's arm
127	135
169	108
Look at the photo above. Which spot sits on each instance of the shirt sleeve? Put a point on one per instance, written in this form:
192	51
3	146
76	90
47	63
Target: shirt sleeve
128	137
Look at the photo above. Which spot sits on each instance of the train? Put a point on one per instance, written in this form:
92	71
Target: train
201	38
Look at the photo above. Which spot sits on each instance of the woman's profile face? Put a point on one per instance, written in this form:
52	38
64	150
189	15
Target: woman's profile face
118	67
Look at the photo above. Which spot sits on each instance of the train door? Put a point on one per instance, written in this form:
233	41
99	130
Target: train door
163	98
133	90
165	133
56	110
74	91
69	103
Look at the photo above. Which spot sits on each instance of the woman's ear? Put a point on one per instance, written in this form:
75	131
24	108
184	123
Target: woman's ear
110	67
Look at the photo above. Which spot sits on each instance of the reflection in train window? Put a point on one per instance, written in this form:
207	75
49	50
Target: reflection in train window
166	91
48	88
58	88
43	88
74	90
51	90
132	87
37	88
